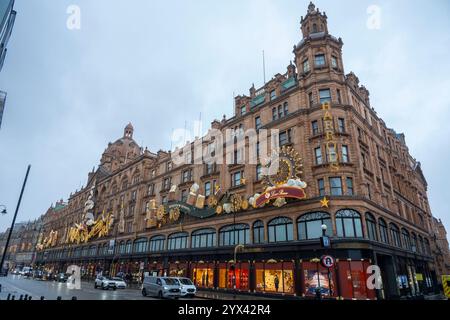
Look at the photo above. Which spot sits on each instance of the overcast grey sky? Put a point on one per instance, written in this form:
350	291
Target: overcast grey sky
161	63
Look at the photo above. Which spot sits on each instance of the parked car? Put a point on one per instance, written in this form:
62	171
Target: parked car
27	272
48	276
161	287
109	283
187	287
61	277
16	271
38	275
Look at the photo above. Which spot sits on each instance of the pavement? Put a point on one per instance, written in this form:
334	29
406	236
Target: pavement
18	285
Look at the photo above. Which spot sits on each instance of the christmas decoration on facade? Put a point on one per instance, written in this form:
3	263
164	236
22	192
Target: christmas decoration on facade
285	183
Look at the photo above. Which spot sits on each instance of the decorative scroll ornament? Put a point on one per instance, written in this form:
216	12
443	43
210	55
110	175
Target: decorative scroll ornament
236	202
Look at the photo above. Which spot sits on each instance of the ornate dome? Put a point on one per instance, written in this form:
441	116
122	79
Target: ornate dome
121	151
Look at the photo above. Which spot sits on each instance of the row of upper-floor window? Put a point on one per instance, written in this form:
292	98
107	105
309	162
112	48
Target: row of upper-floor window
348	222
320	61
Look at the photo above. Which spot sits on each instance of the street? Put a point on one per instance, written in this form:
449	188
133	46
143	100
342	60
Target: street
18	285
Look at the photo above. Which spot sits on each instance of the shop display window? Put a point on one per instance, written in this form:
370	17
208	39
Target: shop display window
275	277
203	275
316	276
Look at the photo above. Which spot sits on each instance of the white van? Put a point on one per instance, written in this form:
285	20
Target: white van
188	288
161	287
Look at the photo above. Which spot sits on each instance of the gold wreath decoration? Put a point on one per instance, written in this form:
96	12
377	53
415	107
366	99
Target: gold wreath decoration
212	201
174	214
244	205
161	212
236	202
219	210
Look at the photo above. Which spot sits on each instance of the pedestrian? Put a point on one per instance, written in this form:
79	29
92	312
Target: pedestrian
276	281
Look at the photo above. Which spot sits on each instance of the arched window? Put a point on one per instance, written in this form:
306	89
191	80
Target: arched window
280	230
406	239
140	245
314	29
258	232
92	251
310	225
234	234
427	246
383	231
128	247
371	227
157	243
177	241
421	246
348	224
204	238
413	242
395	234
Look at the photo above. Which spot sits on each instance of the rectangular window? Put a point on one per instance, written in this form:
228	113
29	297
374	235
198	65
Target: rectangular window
169	166
207	189
243	110
306	66
310	99
186	176
331	154
321	184
285	109
319	60
273	95
258	172
349	182
325	95
280	112
285	137
258	123
336	186
236	179
318	155
341	125
184	195
334	62
315	127
338	92
345	158
274	114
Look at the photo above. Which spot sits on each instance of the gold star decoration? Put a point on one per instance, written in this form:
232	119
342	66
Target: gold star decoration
325	203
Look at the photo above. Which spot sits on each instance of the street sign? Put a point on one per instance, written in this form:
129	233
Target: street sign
325	242
327	261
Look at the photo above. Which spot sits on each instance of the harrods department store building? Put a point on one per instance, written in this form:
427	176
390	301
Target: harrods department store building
188	219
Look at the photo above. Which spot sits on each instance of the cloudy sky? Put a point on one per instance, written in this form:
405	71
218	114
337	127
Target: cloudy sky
161	63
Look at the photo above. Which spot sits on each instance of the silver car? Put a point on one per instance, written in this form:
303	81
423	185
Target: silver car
161	287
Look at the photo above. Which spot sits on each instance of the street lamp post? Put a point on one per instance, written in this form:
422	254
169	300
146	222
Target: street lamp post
324	232
14	219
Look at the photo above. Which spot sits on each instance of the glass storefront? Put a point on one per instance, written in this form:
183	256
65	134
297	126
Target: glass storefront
318	277
275	277
203	275
177	269
239	276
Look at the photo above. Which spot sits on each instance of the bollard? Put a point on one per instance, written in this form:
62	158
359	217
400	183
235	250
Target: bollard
8	297
21	297
59	298
42	297
74	298
13	297
0	287
26	297
29	298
